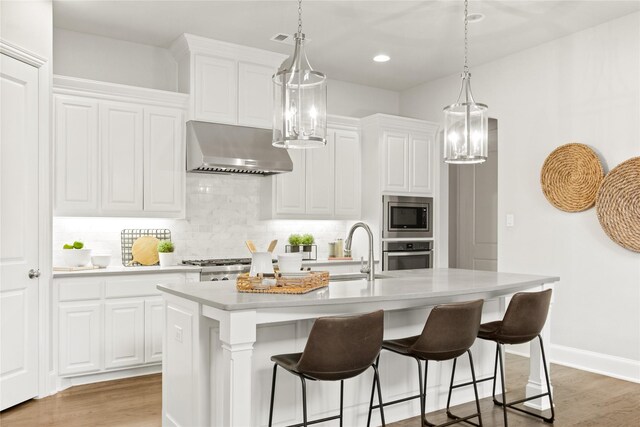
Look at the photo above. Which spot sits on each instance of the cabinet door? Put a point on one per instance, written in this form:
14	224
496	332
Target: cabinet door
255	95
216	89
395	161
124	333
76	155
80	337
319	186
290	187
164	168
121	157
347	174
420	166
153	327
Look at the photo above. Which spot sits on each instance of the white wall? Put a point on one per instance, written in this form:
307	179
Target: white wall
28	24
586	88
105	59
100	58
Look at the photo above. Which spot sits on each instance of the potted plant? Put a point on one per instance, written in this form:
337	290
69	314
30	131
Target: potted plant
306	241
165	253
295	240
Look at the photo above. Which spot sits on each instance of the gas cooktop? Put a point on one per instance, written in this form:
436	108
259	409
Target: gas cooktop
217	262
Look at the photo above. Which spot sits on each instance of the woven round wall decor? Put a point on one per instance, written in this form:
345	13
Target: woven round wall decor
618	204
571	176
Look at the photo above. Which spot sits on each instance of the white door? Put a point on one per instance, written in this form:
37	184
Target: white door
319	179
347	174
80	337
124	333
396	158
216	89
163	160
121	160
477	188
255	95
76	155
19	232
420	164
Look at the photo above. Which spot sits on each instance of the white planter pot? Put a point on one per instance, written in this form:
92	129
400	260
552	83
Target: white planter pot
166	259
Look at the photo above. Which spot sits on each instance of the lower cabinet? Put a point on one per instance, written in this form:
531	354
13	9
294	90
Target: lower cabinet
110	322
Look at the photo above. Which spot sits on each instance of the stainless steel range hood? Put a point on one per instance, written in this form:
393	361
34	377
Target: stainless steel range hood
218	148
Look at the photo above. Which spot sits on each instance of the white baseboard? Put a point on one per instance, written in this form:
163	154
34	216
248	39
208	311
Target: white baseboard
598	363
64	383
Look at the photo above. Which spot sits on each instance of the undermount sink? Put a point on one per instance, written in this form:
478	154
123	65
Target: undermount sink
354	276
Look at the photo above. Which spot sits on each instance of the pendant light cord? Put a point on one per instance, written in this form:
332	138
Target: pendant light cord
300	16
466	40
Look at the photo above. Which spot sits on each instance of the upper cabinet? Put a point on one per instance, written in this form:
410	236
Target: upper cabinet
402	150
119	150
325	182
228	83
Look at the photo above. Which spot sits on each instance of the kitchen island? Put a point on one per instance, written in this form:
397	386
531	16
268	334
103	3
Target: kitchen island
217	345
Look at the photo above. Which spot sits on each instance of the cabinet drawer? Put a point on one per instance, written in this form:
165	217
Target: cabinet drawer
145	285
79	289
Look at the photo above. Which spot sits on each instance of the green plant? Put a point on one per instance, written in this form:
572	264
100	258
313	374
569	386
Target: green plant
295	239
307	239
74	245
165	246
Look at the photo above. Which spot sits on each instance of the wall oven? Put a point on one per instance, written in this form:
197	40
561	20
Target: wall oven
406	255
404	217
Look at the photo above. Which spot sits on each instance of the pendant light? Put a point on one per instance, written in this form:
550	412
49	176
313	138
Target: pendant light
300	100
466	133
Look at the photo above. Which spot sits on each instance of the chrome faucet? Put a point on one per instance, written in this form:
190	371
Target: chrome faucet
369	270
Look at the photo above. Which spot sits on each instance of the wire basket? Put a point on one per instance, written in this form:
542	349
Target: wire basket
130	235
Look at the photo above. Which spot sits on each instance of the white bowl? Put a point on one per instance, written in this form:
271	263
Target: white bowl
101	260
76	257
290	263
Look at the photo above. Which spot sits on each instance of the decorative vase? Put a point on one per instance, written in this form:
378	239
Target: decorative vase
306	248
166	259
295	248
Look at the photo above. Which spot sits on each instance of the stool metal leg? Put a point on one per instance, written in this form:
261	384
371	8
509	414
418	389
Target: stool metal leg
377	380
341	400
475	389
504	394
273	393
304	402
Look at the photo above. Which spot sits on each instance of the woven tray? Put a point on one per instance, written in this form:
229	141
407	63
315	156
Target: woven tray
571	176
618	204
285	285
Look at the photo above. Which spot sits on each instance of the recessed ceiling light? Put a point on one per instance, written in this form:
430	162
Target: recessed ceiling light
381	58
475	17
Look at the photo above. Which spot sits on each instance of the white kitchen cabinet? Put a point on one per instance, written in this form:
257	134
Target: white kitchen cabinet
121	157
80	332
153	324
124	333
402	149
319	179
228	83
215	89
255	95
76	155
164	170
119	150
347	174
325	182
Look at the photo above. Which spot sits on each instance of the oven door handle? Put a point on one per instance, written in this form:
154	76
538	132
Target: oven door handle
408	253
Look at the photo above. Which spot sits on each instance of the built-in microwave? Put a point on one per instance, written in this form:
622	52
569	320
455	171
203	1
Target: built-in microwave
410	217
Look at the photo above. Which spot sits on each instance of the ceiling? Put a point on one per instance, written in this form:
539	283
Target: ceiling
423	38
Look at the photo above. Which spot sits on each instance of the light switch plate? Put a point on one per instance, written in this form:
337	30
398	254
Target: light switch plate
178	333
511	220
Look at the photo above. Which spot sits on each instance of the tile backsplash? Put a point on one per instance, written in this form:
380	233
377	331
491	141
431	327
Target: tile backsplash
222	211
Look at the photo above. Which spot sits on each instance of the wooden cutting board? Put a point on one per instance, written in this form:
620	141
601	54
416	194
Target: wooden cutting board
145	250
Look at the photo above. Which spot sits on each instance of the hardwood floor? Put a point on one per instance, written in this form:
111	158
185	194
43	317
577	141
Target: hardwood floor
582	399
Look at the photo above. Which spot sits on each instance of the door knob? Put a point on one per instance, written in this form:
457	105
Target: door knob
34	274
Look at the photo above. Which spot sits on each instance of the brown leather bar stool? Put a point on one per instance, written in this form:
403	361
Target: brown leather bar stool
338	348
448	333
524	319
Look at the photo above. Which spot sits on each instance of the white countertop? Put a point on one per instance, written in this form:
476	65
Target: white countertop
429	285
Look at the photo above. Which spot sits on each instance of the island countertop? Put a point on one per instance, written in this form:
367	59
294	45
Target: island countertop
423	285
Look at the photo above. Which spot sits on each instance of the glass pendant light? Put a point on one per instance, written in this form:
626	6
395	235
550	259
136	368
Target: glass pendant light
466	133
300	100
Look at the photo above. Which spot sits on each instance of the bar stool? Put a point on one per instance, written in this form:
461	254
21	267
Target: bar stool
524	319
448	333
338	348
